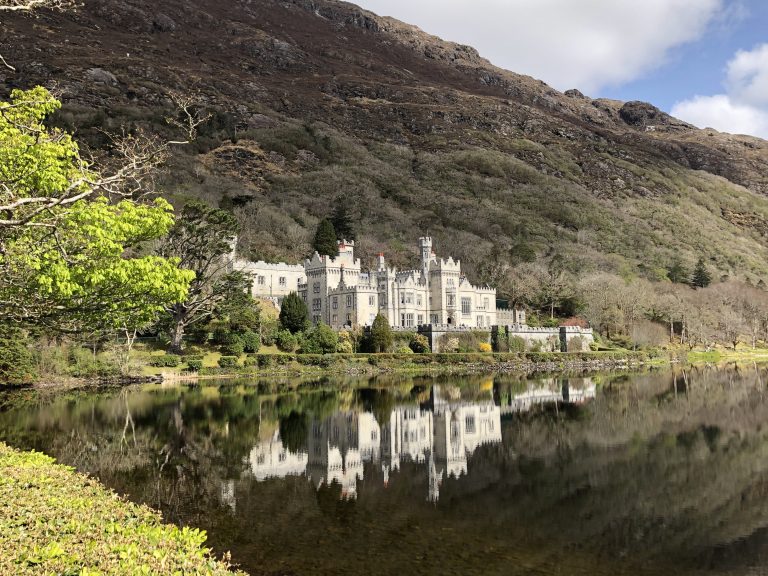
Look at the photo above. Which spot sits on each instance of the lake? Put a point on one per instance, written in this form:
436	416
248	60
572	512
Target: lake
658	473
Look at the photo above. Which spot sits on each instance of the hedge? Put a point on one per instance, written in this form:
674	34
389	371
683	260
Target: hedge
56	521
165	361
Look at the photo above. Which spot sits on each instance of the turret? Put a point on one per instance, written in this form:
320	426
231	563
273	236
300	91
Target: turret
425	247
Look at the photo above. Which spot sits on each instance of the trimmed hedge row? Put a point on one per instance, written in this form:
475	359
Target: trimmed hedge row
264	361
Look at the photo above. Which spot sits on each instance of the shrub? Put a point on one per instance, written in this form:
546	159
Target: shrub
165	361
419	344
17	363
93	524
344	345
194	364
286	342
264	360
485	347
234	348
516	344
251	342
228	361
404	350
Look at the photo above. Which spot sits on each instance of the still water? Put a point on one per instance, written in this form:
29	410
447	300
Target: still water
659	473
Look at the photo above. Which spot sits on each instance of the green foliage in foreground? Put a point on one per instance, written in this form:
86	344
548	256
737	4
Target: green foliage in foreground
64	246
56	521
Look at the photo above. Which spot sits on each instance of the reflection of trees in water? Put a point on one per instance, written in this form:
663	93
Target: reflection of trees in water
658	467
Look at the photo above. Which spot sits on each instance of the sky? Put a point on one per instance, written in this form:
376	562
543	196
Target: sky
703	61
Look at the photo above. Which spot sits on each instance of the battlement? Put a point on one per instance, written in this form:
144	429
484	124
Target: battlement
247	265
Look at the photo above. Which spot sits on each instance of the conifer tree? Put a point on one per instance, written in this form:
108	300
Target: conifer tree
701	276
381	334
325	239
677	273
342	221
294	316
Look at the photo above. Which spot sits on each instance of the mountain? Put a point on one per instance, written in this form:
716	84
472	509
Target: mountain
318	101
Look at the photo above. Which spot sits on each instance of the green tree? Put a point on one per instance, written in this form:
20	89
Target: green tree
381	334
701	277
678	273
294	316
202	241
342	221
324	242
70	237
324	339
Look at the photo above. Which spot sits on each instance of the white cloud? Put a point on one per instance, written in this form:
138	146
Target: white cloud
585	44
722	113
743	108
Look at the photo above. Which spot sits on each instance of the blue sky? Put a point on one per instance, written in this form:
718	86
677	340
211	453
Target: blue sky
705	61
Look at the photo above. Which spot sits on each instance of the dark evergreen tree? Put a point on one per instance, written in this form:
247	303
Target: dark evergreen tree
381	334
294	316
677	273
342	221
325	239
701	276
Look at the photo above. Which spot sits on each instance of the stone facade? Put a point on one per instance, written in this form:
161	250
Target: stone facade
340	293
271	282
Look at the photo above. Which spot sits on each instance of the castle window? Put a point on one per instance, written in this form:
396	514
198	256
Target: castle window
449	282
260	459
349	319
479	321
469	424
282	281
316	304
418	299
466	305
409	320
335	302
335	319
316	287
281	457
450	300
421	319
485	303
371	300
350	301
409	297
261	280
402	297
374	436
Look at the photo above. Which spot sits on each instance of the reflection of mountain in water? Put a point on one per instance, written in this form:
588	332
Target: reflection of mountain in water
441	434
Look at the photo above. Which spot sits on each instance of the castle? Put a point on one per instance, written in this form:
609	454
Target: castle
339	293
435	299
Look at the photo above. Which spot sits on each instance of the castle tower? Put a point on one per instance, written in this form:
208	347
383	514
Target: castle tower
425	247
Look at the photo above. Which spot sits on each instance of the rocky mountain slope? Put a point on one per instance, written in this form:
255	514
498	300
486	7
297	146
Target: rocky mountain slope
314	101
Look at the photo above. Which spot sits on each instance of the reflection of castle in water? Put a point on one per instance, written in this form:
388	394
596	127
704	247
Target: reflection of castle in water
442	435
550	391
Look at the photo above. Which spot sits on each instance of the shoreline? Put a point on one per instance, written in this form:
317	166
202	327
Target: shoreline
371	365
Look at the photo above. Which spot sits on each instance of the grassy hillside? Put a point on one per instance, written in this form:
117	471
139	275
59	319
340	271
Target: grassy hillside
318	101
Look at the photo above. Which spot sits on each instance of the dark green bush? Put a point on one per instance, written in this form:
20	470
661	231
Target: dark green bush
194	364
17	363
235	347
165	361
286	342
251	341
228	361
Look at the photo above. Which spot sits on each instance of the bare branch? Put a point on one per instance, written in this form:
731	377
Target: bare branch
192	117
